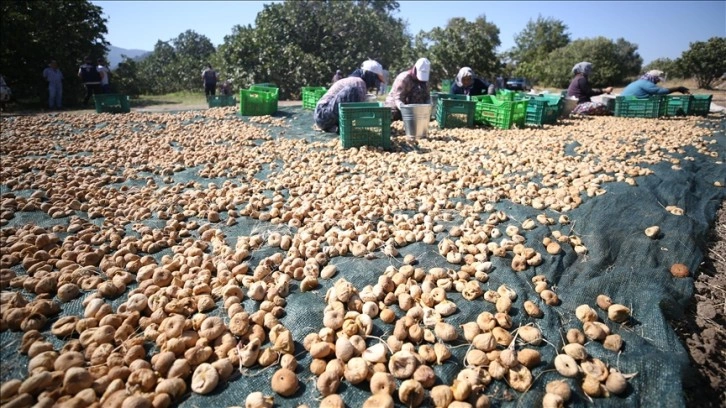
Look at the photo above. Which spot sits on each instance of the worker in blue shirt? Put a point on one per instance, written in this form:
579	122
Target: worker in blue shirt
646	86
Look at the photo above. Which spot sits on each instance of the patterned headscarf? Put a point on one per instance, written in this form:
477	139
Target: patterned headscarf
653	76
464	72
583	68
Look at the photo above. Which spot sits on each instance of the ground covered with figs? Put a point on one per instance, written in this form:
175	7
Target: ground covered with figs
200	258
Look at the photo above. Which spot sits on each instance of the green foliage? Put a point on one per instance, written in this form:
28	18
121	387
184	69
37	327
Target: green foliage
612	62
125	78
460	44
667	65
176	65
34	32
630	61
706	61
236	56
302	43
381	6
157	70
193	53
533	44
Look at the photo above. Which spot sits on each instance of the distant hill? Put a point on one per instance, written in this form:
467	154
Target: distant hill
115	55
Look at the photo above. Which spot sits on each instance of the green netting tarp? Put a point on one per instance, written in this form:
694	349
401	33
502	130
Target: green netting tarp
620	261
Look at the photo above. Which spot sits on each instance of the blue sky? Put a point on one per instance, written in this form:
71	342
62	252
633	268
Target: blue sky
659	28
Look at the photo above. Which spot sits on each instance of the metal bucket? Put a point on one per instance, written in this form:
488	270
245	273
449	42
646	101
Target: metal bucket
609	101
569	106
416	119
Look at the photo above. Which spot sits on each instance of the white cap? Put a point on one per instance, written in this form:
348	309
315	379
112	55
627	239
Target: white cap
373	66
423	69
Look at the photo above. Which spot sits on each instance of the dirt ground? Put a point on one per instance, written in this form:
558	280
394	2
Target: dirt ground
703	330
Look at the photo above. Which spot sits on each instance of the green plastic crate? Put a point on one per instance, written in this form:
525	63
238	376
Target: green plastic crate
678	105
435	102
508	95
112	103
256	103
311	95
455	111
272	90
446	85
551	98
700	105
500	114
216	101
364	124
543	110
458	97
632	107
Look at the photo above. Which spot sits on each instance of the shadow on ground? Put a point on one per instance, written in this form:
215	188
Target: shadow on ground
143	103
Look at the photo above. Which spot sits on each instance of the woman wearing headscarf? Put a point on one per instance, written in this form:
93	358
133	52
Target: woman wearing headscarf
410	87
466	83
580	88
646	86
350	89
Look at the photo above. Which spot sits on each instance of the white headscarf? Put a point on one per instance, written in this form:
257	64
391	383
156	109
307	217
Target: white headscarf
464	72
583	68
654	76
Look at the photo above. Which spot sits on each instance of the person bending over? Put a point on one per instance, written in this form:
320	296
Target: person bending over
410	87
647	86
351	89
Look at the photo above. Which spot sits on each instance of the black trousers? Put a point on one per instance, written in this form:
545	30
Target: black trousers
91	89
210	89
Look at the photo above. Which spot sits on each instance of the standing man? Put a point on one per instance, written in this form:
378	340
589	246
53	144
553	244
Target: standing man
209	76
55	85
90	77
105	76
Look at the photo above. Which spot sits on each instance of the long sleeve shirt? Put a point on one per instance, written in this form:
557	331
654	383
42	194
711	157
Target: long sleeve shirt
642	88
580	88
407	90
53	76
339	85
